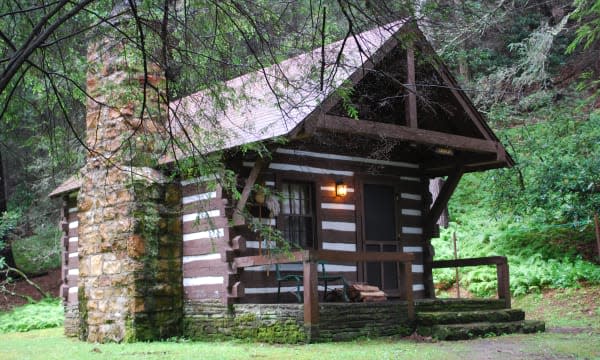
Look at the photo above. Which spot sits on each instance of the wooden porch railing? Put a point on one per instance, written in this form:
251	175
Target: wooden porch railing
501	271
310	259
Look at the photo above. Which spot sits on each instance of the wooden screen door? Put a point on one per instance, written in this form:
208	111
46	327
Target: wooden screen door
381	229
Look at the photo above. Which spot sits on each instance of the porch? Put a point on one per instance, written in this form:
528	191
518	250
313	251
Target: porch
444	319
315	320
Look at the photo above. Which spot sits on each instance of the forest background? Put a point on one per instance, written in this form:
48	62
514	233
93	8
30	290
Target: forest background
531	66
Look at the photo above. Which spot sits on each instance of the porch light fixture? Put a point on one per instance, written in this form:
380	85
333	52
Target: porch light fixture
444	151
340	189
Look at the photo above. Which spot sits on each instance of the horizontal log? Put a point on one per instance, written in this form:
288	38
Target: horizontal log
203	292
64	292
237	290
490	260
335	236
403	133
238	243
337	256
190	227
322	255
257	260
205	205
72	247
204	268
355	166
202	246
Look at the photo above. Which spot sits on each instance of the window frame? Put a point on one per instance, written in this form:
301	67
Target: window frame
311	243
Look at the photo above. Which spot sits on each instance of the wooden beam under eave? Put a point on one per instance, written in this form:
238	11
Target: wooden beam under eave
411	106
378	130
469	162
444	196
238	217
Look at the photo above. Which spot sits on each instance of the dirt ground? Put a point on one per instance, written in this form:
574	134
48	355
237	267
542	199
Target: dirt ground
49	282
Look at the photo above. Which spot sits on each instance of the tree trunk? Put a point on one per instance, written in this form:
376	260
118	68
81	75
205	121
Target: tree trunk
3	187
463	63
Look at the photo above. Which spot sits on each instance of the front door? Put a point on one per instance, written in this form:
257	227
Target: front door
381	235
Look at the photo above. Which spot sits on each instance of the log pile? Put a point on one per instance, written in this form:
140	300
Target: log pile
365	293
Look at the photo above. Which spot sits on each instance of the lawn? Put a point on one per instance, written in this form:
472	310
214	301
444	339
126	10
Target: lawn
51	344
572	316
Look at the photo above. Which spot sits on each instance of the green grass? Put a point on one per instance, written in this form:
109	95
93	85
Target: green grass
576	309
47	313
51	344
573	308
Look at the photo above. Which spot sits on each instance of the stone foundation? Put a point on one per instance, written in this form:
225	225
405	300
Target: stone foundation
279	323
283	323
342	322
71	323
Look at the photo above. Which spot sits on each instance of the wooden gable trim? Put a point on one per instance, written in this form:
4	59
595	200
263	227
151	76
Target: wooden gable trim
452	85
332	99
411	105
463	100
403	133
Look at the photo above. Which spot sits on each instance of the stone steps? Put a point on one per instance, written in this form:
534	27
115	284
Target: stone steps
479	329
462	317
459	319
453	305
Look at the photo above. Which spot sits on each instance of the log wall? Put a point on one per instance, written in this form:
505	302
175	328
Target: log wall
339	225
339	220
70	258
70	264
205	235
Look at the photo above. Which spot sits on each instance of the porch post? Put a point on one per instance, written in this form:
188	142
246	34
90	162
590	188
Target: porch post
311	298
503	282
408	290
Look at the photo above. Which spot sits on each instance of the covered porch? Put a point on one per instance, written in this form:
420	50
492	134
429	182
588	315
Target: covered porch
317	320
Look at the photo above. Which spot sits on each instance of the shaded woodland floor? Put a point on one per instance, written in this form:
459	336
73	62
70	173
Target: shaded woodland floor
49	282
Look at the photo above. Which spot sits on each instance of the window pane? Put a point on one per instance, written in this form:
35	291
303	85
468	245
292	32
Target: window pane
297	210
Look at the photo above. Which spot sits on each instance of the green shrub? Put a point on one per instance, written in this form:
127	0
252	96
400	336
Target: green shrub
47	313
40	252
8	221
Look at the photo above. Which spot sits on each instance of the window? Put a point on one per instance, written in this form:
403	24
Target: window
297	213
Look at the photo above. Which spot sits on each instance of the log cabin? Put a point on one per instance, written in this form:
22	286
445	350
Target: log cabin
331	153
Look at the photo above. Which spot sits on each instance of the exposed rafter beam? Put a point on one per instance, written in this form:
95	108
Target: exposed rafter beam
338	124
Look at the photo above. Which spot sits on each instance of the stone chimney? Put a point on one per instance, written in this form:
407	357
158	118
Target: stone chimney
130	277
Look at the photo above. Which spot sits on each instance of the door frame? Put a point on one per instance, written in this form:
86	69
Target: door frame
391	181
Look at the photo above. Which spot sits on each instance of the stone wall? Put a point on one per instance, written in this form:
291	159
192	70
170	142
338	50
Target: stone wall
341	321
71	323
283	323
279	323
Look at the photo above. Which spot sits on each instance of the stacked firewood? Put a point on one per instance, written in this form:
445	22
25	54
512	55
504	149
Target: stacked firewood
365	293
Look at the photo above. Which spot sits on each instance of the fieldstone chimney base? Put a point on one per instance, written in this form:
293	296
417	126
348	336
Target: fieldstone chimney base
130	285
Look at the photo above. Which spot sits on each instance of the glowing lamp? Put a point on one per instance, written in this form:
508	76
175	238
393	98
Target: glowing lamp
340	189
